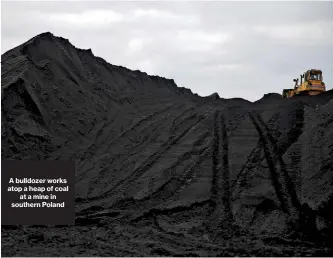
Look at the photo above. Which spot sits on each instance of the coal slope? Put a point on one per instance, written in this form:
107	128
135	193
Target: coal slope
161	171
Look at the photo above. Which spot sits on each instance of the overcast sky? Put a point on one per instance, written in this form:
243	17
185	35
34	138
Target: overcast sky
238	49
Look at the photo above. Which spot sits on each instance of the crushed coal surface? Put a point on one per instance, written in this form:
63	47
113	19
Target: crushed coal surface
161	171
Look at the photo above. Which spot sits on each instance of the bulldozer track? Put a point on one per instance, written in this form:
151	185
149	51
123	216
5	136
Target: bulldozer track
169	189
175	120
175	182
296	132
123	156
138	123
254	157
283	184
146	164
221	174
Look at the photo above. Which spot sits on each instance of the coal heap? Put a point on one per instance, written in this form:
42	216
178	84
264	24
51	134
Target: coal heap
162	171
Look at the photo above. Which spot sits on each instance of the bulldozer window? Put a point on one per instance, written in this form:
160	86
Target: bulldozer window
315	76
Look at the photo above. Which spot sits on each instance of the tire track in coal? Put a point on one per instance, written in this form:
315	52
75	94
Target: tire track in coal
255	155
166	187
124	156
176	125
171	188
188	118
121	157
167	190
108	142
295	133
222	215
136	215
164	193
147	163
138	123
165	147
281	181
174	184
182	114
183	180
145	143
110	122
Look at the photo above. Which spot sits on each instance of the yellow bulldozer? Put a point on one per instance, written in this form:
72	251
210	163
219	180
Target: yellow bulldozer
311	84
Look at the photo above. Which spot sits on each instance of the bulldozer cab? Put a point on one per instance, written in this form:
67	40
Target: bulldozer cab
313	75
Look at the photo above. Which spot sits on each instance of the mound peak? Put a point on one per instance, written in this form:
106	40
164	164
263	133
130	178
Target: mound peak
215	95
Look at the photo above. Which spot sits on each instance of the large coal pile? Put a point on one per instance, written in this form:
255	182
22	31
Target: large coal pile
162	171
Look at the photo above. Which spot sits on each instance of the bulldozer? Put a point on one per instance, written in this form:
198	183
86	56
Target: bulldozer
311	84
